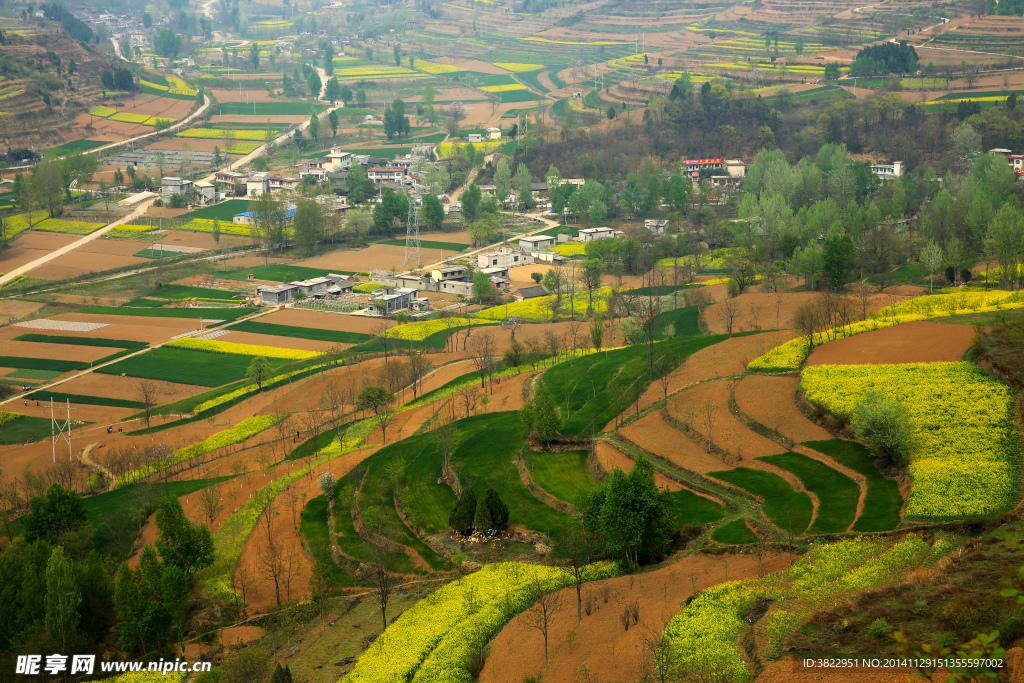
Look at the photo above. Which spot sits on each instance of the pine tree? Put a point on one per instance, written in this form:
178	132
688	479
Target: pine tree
482	520
497	509
461	517
546	419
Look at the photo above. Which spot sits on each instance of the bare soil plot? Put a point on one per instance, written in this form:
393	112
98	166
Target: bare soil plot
655	435
163	107
136	328
518	650
770	401
767	311
611	457
233	95
13	308
918	341
29	246
728	357
115	386
278	342
375	256
726	431
462	237
323	320
79	262
26	349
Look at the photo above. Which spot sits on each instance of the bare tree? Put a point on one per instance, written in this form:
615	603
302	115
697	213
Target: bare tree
415	369
382	330
727	313
333	400
384	581
544	608
579	548
754	312
313	421
467	395
707	414
553	342
393	375
482	352
446	437
147	392
244	579
211	503
272	564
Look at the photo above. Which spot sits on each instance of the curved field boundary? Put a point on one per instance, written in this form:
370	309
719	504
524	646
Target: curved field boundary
837	494
233	533
756	399
882	500
735	532
785	507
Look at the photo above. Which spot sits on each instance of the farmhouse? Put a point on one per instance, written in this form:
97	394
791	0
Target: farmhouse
275	295
385	175
537	242
596	234
656	225
494	133
529	293
886	171
207	192
504	257
388	301
448	273
172	185
249	217
456	287
313	285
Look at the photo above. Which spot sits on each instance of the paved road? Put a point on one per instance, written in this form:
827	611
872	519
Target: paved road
45	258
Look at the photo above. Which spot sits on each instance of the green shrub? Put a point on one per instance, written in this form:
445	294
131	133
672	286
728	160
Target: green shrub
879	627
886	424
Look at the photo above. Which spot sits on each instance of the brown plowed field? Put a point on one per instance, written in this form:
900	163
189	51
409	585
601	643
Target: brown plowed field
323	320
26	349
29	246
611	457
758	310
918	341
727	357
653	434
770	401
82	261
12	308
518	650
115	386
134	327
375	256
727	432
278	342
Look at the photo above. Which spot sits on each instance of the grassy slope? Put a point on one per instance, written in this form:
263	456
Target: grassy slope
592	390
734	533
883	501
786	508
837	494
563	475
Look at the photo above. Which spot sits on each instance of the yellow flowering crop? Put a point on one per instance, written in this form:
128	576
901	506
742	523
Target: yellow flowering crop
247	428
130	231
206	225
518	67
362	71
214	134
102	111
503	88
429	67
539	308
69	227
960	463
570	249
418	331
449	149
180	87
217	346
131	118
156	86
367	287
431	641
243	147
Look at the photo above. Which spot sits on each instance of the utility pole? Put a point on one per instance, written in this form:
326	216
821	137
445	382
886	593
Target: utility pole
61	429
